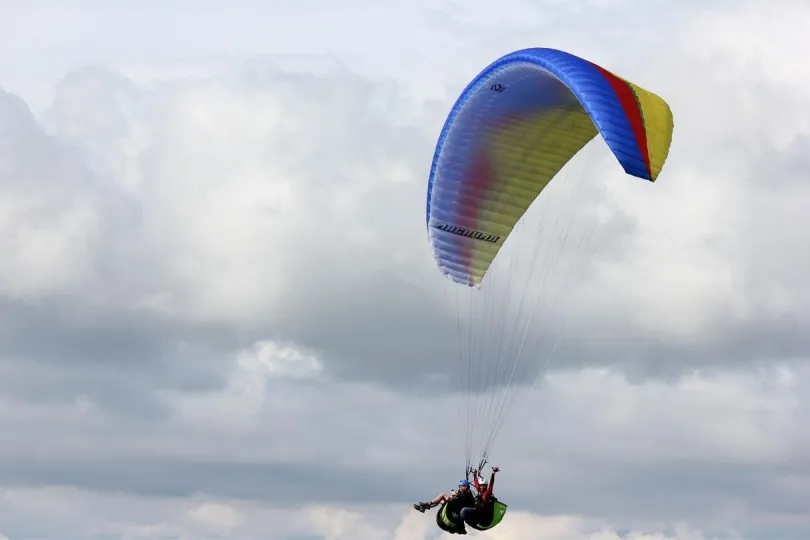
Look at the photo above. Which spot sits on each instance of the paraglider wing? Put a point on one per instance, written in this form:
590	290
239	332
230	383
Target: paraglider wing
511	131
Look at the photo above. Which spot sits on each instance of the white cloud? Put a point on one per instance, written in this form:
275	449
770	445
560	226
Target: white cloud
233	184
242	520
735	112
216	517
228	209
268	357
49	218
730	417
252	389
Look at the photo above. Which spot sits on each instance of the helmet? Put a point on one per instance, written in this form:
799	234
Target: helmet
463	483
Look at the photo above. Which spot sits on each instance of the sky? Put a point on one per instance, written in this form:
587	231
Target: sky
221	318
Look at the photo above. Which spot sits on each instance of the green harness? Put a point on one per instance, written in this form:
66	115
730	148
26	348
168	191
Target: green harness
453	521
445	518
497	515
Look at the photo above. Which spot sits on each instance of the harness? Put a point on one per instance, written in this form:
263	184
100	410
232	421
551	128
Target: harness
498	511
445	520
448	517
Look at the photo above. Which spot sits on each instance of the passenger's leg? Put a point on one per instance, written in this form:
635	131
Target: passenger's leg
468	515
422	506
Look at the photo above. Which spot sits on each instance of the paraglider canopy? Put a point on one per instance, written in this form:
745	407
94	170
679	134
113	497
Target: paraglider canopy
512	130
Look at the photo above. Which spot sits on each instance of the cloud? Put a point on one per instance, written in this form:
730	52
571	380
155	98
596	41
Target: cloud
42	255
219	315
711	449
173	518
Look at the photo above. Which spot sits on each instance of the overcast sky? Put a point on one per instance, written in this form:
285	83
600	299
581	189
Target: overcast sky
221	318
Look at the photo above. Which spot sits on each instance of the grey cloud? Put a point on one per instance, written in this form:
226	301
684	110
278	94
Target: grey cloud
70	352
283	484
358	288
643	494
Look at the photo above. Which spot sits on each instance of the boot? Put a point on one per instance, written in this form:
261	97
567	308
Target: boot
421	506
